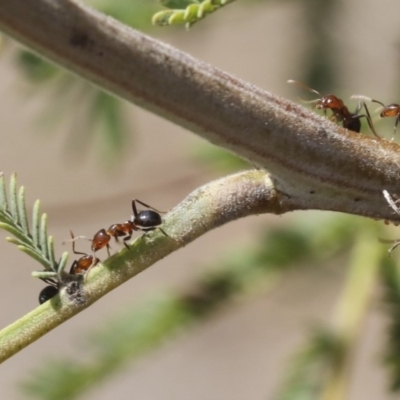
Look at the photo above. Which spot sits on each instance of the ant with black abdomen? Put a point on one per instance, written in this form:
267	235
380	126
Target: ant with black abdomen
145	220
340	113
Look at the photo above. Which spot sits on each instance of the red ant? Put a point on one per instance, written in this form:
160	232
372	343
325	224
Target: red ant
83	264
340	112
391	110
145	220
78	267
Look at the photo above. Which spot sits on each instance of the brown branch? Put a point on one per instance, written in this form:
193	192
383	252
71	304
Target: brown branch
316	163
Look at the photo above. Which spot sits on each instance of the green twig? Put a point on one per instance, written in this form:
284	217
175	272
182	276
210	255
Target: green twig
352	308
14	219
206	208
321	369
244	273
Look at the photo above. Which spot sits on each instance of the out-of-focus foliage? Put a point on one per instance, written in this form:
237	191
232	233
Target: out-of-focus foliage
218	159
96	119
135	333
321	369
319	70
35	68
186	12
307	373
135	13
103	124
391	280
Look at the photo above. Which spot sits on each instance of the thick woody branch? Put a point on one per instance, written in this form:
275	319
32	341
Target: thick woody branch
316	163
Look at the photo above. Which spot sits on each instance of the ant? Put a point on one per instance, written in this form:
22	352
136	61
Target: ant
83	264
391	110
78	267
145	220
340	112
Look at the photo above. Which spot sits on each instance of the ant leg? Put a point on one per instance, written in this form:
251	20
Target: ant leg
367	116
134	209
120	233
74	264
125	239
94	263
165	233
76	238
108	250
73	244
395	126
377	101
369	119
134	201
396	244
153	229
313	103
335	117
50	281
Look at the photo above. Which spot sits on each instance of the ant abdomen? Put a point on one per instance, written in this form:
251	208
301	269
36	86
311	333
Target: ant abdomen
147	220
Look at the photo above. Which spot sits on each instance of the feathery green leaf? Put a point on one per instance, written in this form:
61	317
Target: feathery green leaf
186	12
14	219
36	223
13	203
23	218
62	263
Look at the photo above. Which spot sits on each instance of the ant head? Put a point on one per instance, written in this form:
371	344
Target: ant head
391	110
330	101
100	239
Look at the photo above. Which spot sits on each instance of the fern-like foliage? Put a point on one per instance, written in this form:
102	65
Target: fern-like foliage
186	12
391	282
311	366
36	243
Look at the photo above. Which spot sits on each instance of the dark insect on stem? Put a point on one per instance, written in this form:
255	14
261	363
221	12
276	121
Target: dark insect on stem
340	113
48	293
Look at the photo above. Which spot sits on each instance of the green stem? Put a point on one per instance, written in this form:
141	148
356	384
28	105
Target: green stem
206	208
352	308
